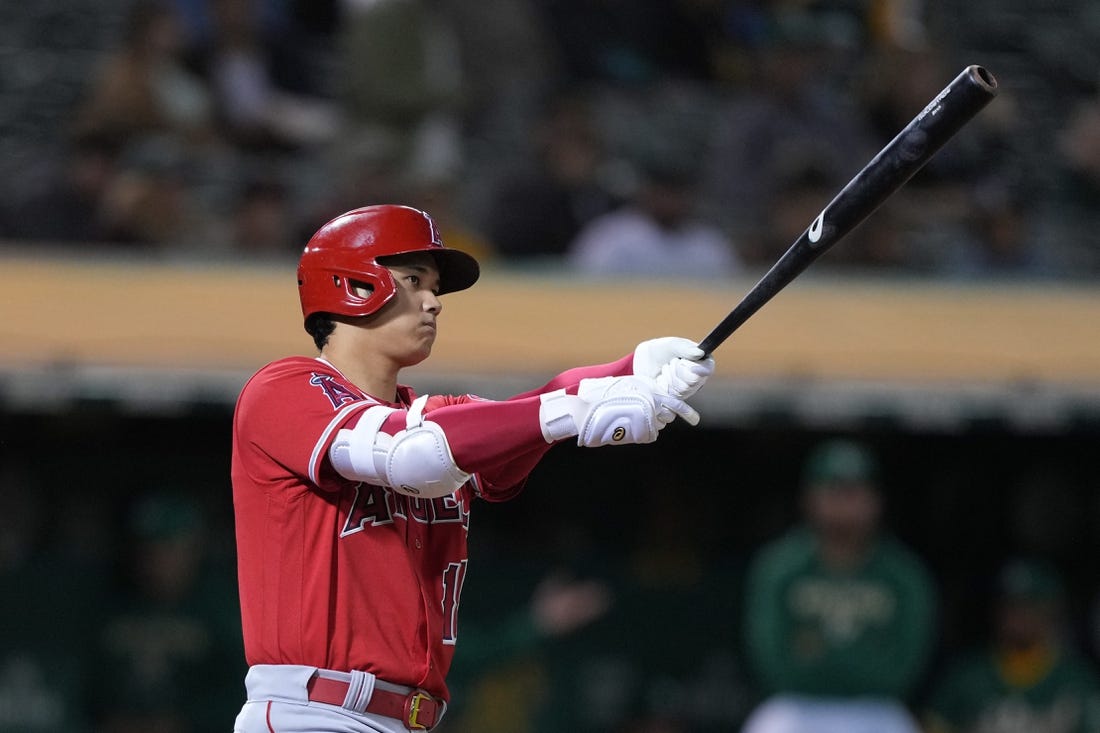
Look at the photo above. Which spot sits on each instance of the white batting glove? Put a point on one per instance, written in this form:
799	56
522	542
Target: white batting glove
667	387
650	356
682	378
676	363
610	411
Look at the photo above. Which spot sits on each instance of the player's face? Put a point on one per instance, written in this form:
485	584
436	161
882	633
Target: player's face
405	327
1022	624
844	509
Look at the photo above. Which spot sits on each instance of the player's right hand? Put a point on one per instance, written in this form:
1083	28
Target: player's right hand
612	411
621	410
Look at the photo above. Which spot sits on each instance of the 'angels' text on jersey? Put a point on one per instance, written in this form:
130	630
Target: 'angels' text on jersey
374	506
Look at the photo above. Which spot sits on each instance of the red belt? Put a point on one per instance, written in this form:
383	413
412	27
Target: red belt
417	709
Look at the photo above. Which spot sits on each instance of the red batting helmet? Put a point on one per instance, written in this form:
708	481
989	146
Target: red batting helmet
351	251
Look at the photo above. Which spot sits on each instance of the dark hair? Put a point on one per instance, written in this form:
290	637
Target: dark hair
320	327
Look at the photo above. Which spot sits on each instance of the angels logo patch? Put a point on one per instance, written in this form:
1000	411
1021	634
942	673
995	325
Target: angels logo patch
337	393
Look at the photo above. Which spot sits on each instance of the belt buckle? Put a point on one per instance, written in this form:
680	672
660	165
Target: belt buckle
413	710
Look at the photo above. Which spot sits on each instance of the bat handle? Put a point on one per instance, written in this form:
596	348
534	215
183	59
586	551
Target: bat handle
722	331
712	341
775	279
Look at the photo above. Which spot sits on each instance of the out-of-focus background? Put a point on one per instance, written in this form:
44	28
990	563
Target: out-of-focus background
623	170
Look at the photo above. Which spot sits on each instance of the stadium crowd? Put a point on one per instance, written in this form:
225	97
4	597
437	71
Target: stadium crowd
702	136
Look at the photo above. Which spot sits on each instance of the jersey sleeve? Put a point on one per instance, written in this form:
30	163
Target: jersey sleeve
290	411
501	442
570	378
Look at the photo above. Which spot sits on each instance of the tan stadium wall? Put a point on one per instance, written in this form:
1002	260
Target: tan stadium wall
237	317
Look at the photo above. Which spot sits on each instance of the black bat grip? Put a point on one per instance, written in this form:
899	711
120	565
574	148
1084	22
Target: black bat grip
888	171
781	273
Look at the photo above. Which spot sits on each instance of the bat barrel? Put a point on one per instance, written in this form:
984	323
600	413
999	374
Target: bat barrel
888	171
981	76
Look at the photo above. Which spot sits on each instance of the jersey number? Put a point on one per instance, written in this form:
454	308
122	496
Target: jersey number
453	578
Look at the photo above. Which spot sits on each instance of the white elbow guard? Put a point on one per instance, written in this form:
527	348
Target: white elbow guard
417	461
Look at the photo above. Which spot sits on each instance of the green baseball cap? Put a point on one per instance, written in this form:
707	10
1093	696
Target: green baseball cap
840	461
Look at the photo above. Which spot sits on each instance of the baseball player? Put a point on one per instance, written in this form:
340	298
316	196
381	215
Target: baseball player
352	495
839	614
1028	677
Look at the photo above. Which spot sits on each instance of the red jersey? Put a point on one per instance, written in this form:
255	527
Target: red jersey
343	575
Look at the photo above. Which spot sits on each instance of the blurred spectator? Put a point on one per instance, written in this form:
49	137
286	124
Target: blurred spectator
144	87
1079	146
791	115
260	101
839	615
536	212
1029	678
401	71
495	666
624	42
1071	210
262	220
897	85
898	23
658	233
170	650
1000	238
508	68
152	204
365	167
399	61
798	198
662	656
70	209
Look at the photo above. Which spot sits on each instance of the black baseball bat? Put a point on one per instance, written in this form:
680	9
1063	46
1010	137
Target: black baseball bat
888	171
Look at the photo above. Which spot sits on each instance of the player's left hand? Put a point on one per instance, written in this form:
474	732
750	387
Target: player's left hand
676	363
671	404
651	355
683	378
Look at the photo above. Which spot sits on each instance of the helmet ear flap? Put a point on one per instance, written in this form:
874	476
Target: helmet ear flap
356	292
366	290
